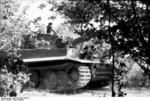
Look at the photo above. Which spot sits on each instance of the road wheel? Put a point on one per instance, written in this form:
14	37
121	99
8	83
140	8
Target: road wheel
74	75
49	80
63	80
35	78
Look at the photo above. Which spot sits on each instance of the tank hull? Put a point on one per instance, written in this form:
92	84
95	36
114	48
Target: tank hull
56	65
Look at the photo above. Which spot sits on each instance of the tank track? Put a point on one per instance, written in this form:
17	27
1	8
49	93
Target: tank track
62	77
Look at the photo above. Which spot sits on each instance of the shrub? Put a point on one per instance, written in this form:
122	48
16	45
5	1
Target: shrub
13	75
136	77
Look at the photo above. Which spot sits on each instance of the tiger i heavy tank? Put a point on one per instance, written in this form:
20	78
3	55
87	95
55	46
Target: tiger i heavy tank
60	67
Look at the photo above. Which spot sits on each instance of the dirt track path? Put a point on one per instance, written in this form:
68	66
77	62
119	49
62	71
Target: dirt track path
103	92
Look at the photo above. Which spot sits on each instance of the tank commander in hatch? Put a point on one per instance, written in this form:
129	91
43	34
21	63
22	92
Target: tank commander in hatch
50	29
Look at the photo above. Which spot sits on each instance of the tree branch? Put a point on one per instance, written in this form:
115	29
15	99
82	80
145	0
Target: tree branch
133	8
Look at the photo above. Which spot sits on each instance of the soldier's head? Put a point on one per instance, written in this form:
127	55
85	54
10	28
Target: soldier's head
49	24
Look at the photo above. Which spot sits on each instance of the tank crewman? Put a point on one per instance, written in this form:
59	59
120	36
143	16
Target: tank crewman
50	29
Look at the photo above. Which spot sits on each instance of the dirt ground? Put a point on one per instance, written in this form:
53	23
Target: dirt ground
103	92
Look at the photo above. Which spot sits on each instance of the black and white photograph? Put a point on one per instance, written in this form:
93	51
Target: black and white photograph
74	48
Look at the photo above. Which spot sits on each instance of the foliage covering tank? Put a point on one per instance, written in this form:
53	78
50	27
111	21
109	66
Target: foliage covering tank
56	66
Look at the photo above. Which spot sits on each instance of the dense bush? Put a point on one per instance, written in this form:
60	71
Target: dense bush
136	78
13	75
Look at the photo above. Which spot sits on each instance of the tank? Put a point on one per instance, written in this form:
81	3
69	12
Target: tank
60	67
